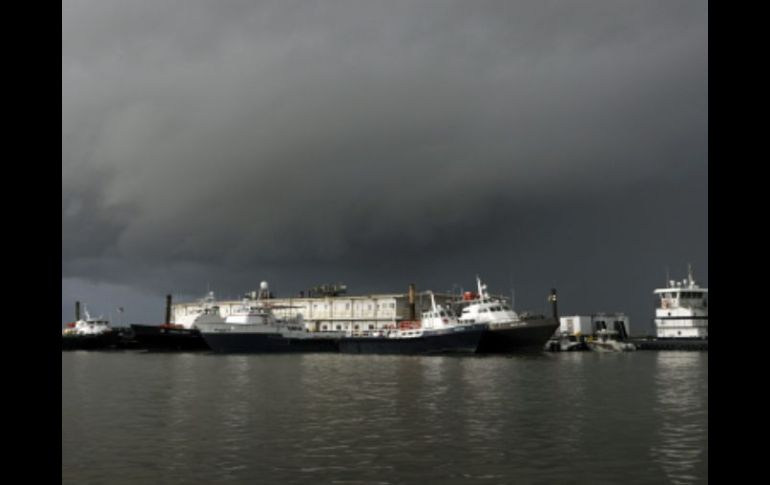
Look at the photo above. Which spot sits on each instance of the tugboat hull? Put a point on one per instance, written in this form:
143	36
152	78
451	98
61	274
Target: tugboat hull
450	342
259	343
102	341
524	336
154	337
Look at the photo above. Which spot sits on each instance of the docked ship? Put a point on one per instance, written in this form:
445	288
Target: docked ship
255	328
88	333
439	331
681	317
683	311
507	331
183	333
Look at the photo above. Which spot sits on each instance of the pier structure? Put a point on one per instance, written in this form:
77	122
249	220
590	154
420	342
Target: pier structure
337	312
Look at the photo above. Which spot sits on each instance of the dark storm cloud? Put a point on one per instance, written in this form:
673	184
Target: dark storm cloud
306	140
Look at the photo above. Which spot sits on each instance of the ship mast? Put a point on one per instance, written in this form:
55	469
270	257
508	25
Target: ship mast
482	289
432	302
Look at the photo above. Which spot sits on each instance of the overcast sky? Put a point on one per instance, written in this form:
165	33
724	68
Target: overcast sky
537	143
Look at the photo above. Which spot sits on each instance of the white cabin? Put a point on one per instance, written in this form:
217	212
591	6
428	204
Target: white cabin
595	323
682	310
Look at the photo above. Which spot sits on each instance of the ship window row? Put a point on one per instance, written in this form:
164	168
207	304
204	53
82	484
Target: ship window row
438	314
683	294
325	306
495	309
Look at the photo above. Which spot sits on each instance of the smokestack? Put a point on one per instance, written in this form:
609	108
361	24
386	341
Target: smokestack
77	311
168	309
554	306
412	313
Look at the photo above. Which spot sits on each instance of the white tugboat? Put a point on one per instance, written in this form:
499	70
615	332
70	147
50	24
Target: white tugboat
439	331
89	334
507	331
682	311
254	328
681	317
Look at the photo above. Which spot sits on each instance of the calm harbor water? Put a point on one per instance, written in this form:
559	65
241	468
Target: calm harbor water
134	417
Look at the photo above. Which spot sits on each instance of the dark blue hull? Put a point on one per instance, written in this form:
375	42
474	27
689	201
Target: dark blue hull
155	337
259	343
451	342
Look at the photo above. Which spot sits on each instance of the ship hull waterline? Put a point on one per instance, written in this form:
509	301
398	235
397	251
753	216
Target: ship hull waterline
465	342
262	343
155	337
526	336
102	341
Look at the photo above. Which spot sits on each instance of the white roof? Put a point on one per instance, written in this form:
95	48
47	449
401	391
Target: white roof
672	289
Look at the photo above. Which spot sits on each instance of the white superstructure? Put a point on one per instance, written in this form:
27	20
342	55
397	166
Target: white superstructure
438	317
257	316
87	326
207	311
344	313
482	308
682	310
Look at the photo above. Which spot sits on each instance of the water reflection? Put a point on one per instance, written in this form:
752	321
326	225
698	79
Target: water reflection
572	415
488	398
681	448
639	417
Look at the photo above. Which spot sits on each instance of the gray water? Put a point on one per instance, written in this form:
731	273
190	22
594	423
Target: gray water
133	417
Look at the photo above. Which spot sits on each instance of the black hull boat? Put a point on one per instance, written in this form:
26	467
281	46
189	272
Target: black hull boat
455	340
89	333
521	336
261	343
102	341
507	331
168	337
